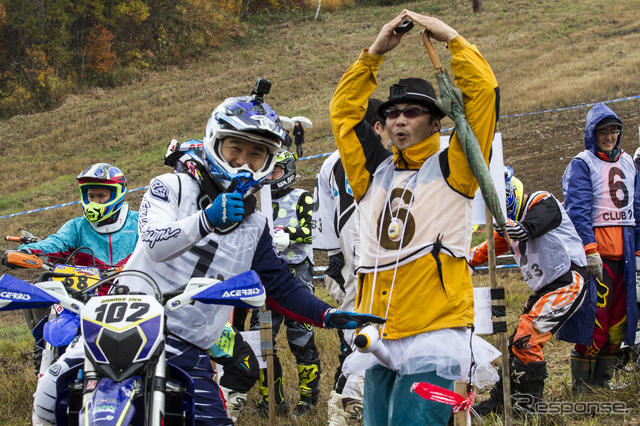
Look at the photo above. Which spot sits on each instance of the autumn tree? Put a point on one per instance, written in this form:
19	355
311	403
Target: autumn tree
99	54
46	45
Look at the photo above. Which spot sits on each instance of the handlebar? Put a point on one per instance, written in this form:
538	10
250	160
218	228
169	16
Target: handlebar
25	238
22	240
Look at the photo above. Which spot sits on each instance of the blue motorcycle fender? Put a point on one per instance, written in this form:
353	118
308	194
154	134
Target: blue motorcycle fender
175	373
111	403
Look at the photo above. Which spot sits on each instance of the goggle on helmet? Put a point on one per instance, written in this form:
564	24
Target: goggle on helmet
287	161
514	191
102	175
247	118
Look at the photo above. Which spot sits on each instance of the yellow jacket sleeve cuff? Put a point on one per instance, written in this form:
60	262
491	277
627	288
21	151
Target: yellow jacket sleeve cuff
370	60
457	44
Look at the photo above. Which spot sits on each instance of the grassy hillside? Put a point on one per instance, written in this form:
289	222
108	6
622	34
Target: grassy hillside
546	54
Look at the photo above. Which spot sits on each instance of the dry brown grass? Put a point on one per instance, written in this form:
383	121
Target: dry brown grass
17	380
545	54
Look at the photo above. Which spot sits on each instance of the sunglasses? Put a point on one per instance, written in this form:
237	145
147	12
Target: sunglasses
411	112
608	132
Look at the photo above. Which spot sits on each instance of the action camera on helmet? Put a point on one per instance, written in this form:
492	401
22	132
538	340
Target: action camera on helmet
262	87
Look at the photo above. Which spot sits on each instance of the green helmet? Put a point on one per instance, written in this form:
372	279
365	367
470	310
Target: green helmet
281	181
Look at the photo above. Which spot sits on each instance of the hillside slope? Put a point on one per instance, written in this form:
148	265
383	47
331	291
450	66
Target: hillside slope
546	54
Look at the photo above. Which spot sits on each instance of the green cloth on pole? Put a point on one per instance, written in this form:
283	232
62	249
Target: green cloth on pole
452	104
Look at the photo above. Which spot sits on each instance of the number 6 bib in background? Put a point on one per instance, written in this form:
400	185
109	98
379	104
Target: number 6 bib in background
612	190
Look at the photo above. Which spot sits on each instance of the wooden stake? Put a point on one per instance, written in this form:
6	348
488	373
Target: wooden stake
501	338
460	418
266	347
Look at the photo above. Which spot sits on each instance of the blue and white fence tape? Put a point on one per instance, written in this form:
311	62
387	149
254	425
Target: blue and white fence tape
329	153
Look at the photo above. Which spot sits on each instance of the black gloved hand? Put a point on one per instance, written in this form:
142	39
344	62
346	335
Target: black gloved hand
334	318
516	231
334	270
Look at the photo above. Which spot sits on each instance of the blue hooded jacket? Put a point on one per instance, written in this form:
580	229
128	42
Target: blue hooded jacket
578	200
110	249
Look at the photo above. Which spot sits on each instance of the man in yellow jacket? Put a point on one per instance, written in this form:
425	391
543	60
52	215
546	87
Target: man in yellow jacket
415	208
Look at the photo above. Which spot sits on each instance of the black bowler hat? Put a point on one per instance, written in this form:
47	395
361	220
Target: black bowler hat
413	90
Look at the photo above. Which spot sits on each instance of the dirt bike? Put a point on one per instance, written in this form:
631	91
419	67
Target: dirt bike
48	263
52	328
125	378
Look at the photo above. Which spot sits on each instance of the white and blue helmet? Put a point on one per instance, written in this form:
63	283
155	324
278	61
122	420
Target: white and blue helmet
514	191
246	117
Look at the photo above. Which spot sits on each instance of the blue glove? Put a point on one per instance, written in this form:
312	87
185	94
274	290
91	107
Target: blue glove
334	318
226	209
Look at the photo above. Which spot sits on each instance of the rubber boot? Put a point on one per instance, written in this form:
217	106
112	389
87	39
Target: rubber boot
344	411
495	403
282	408
235	402
603	370
527	384
309	387
581	372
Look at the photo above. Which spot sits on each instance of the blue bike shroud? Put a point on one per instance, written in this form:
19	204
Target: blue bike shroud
18	294
232	291
62	330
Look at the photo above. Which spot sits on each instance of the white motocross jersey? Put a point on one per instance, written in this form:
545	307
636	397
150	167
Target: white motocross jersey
285	215
544	259
336	222
325	235
176	243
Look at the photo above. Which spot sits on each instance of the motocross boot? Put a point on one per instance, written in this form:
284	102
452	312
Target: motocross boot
581	372
282	407
603	369
527	384
235	402
309	387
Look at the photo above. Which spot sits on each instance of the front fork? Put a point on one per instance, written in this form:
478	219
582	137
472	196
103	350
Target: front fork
159	384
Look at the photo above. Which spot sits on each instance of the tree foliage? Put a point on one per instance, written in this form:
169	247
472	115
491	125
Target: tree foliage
99	54
48	47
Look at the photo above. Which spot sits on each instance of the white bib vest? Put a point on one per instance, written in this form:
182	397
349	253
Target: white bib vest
612	190
544	259
393	228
